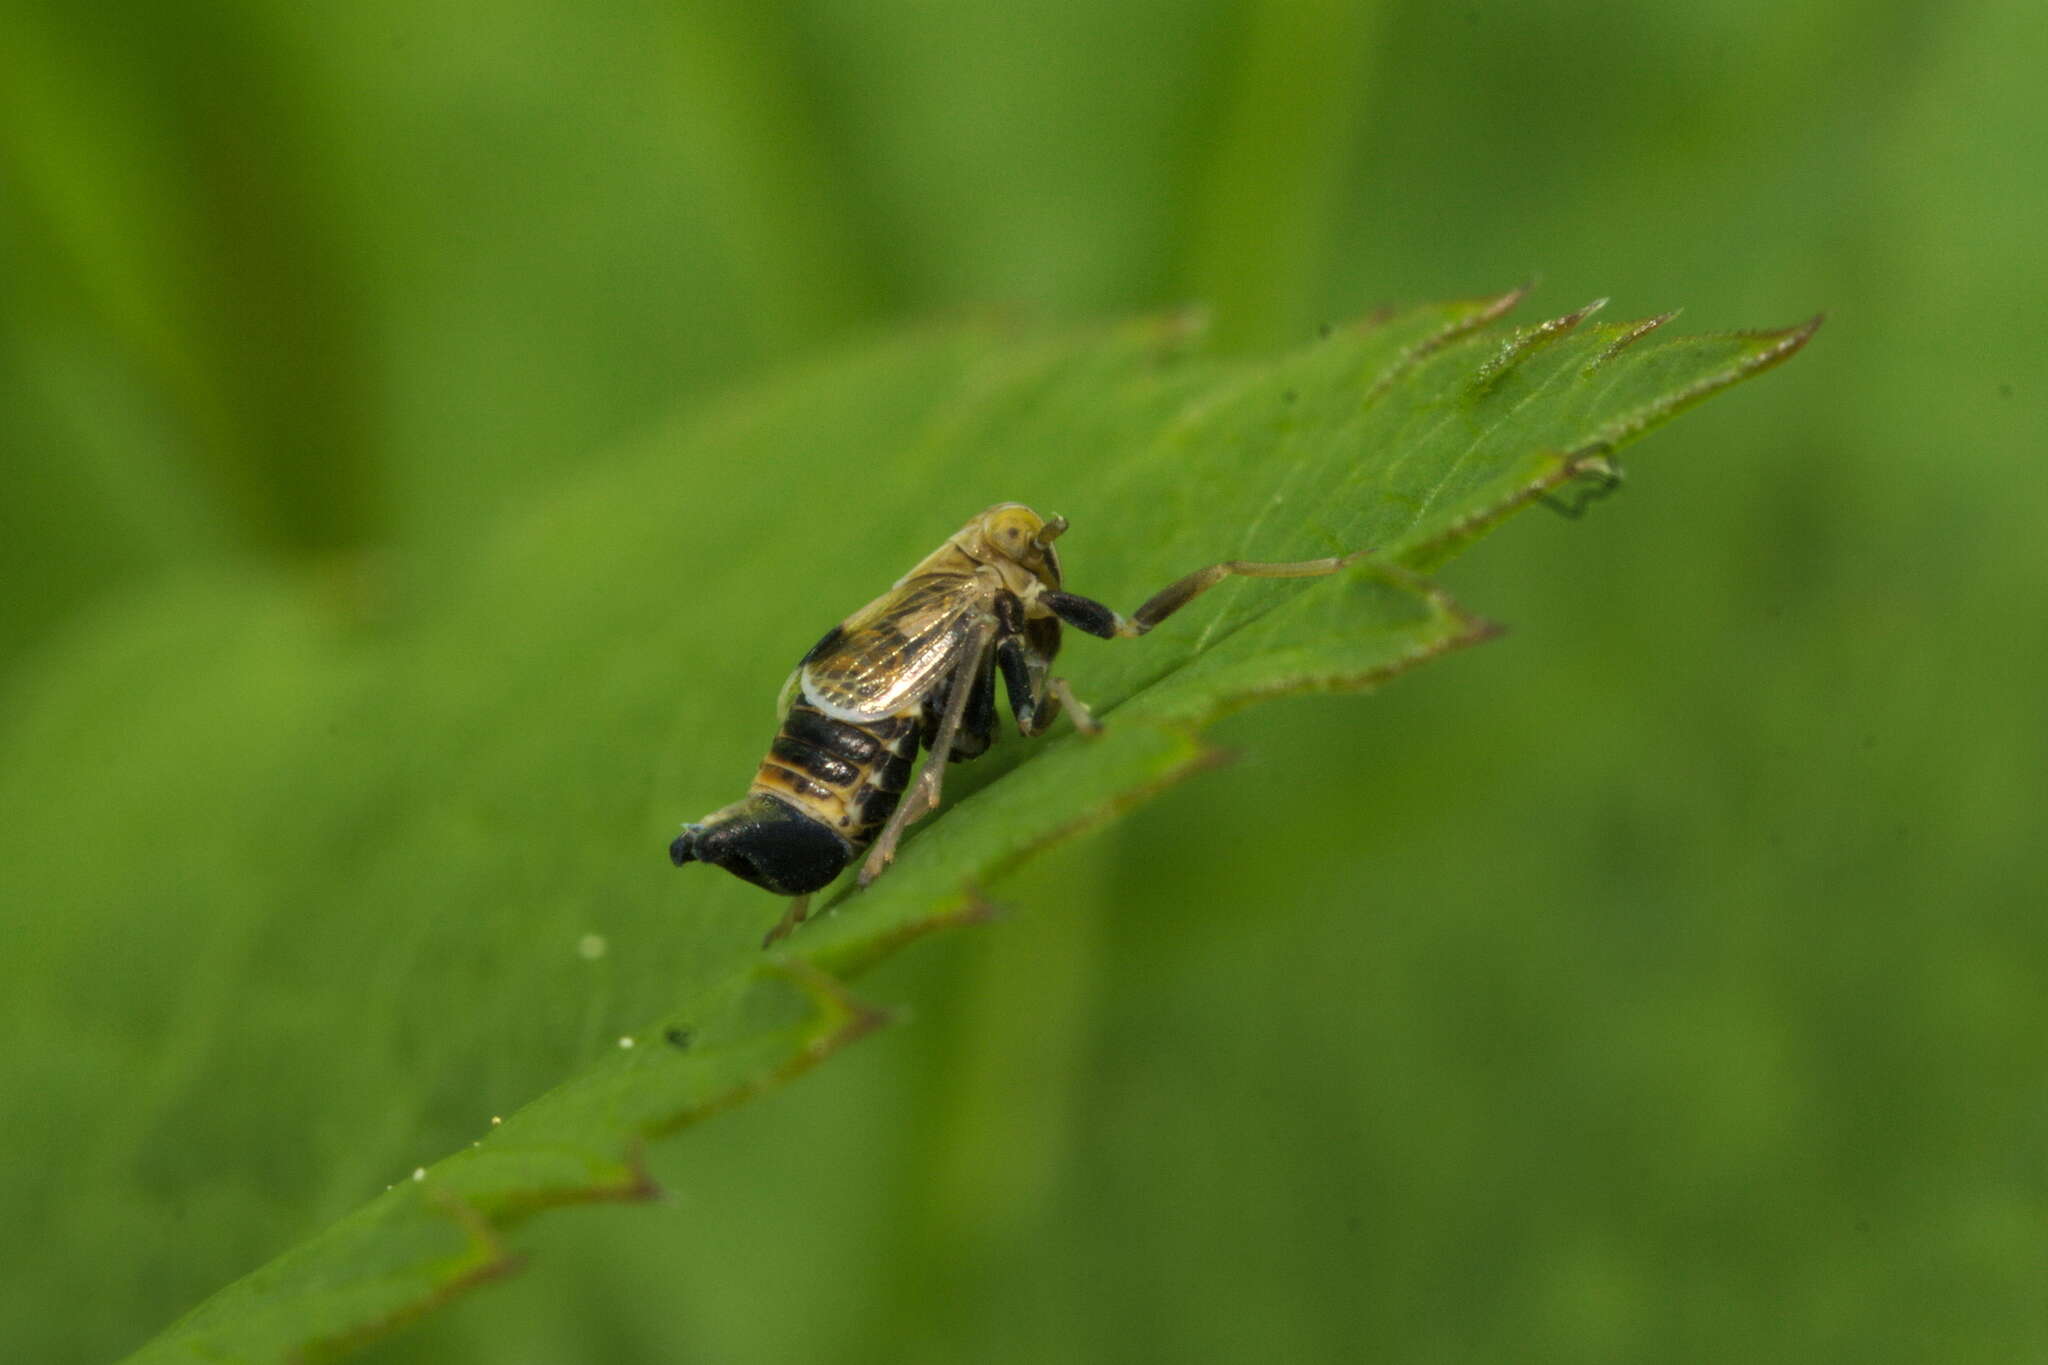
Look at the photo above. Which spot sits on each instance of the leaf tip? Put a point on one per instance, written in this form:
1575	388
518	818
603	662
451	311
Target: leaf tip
1759	351
1480	629
1802	332
1779	344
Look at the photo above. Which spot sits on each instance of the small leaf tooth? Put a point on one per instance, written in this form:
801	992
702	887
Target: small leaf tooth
1528	340
1500	305
1485	310
1557	327
969	907
852	1016
1636	332
640	1186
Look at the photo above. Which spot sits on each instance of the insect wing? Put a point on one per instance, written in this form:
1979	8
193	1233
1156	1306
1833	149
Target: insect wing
893	651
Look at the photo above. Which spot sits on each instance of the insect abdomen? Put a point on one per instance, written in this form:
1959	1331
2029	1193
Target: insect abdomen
847	776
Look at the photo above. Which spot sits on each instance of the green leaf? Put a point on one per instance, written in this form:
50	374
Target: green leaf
334	847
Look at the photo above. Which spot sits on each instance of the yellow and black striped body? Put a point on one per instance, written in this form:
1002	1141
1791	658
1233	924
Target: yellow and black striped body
918	668
847	776
915	668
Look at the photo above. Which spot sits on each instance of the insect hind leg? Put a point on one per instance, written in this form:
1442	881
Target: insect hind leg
923	795
791	918
977	723
918	802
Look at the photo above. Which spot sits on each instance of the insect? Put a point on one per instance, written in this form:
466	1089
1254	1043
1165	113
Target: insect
917	667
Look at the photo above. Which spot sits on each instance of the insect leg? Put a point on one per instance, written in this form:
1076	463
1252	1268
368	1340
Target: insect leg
924	793
1084	719
977	724
1023	669
1083	613
1030	703
791	918
1035	699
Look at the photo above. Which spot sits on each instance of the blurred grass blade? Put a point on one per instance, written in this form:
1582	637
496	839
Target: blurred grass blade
421	819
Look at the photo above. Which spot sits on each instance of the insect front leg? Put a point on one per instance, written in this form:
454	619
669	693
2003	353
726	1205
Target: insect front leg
1085	613
923	795
1024	654
1036	699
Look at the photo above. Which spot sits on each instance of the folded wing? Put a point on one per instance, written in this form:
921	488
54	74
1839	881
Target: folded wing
891	653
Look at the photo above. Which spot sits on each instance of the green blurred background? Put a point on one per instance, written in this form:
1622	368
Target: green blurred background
1662	982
